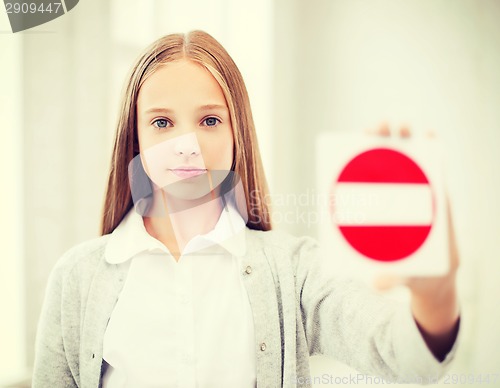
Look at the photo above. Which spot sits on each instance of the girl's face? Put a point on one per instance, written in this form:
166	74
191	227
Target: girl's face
183	126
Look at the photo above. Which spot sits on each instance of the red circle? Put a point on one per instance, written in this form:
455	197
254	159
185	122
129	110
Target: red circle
384	243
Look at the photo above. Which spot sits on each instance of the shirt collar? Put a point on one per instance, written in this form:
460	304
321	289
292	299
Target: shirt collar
131	238
228	233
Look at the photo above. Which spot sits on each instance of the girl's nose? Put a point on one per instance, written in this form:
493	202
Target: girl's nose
187	146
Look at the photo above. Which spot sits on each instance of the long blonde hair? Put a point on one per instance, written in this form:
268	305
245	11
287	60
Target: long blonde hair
202	48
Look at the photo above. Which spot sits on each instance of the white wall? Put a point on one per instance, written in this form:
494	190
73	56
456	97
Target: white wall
12	322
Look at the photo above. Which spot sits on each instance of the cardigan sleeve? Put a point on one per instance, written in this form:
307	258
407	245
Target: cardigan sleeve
347	320
51	367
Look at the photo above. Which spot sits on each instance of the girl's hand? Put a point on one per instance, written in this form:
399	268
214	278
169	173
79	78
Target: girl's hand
434	301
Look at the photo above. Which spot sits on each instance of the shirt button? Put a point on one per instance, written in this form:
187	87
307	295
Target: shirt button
263	346
248	270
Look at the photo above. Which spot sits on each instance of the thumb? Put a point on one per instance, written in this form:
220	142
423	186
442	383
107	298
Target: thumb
388	281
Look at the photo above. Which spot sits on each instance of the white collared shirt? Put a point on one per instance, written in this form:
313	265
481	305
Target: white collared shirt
180	324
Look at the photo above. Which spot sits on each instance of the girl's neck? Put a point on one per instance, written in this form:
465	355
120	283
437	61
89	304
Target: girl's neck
174	222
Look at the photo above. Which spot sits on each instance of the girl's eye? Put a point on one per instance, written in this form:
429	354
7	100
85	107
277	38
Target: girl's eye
211	121
160	123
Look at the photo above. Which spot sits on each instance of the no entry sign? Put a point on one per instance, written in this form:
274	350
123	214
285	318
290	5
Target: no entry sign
382	204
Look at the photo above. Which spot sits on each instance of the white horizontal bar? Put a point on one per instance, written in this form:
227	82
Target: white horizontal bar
382	204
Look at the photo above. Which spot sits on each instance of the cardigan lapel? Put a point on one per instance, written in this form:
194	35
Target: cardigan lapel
102	297
289	316
262	290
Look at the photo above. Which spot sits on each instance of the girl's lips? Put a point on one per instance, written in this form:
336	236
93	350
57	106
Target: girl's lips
188	172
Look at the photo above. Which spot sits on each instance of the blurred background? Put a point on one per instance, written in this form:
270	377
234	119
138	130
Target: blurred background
310	66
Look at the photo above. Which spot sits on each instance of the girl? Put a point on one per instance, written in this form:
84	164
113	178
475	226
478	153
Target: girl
188	286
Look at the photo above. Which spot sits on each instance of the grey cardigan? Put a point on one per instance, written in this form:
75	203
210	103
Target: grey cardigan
299	309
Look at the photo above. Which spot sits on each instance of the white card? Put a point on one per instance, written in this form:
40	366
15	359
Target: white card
383	207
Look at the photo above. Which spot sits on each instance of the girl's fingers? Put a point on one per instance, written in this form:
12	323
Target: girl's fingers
404	131
388	281
385	131
381	130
